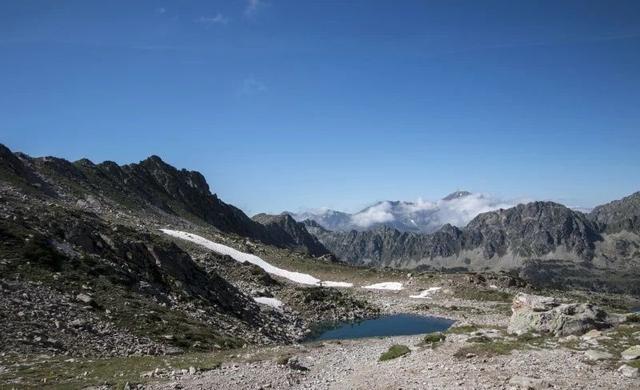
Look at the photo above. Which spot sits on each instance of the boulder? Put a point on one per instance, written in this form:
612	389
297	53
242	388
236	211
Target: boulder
631	353
524	382
534	313
594	354
84	298
628	371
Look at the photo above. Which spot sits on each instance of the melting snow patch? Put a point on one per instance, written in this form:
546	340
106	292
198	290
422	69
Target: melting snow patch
426	293
269	301
253	259
328	283
385	286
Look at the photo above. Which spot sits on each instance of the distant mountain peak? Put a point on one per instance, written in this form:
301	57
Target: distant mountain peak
457	195
418	216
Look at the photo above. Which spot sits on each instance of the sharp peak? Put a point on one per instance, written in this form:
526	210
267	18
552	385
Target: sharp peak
457	195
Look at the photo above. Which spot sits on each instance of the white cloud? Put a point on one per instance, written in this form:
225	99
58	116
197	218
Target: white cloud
429	216
212	20
379	213
253	6
251	86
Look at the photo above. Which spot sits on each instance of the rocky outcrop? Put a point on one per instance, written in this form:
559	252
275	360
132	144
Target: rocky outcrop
73	283
283	228
538	314
619	215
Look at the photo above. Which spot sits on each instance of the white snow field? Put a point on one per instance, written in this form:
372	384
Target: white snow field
396	286
273	302
253	259
426	294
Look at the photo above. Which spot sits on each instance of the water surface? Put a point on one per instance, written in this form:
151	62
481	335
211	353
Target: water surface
389	325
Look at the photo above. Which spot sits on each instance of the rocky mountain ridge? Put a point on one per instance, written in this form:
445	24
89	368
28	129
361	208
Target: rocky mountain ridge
151	188
543	241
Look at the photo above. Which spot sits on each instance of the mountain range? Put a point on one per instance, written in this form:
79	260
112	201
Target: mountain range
544	242
457	208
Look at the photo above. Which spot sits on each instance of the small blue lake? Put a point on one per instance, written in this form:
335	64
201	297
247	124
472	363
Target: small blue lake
389	325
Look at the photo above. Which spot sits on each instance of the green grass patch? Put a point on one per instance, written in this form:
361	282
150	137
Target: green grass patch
634	318
483	295
432	339
82	372
395	351
484	346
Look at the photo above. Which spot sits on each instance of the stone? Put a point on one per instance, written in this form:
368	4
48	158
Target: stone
569	339
594	354
534	313
592	334
628	371
295	364
631	353
84	298
524	382
192	370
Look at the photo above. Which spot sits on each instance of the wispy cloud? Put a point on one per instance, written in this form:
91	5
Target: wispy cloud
161	10
213	20
253	6
251	86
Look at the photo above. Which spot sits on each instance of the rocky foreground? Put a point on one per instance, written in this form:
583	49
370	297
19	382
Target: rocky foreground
544	343
486	356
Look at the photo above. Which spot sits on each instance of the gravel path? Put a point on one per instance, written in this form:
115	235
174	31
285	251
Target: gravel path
354	365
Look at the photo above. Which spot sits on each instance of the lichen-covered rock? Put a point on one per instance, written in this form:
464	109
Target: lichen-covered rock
631	353
534	313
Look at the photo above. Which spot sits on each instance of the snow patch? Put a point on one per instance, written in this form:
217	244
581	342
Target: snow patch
396	286
426	294
273	302
328	283
253	259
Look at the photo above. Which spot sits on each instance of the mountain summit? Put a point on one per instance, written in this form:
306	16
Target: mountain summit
457	209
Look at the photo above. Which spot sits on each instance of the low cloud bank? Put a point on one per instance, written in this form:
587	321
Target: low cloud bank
429	216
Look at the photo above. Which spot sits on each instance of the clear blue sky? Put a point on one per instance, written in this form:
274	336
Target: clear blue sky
295	104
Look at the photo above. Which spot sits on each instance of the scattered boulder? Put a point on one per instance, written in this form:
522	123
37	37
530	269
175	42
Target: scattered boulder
525	382
631	353
295	364
594	354
628	371
534	313
592	334
84	298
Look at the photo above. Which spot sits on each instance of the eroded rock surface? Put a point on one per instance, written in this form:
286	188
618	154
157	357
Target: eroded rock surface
538	314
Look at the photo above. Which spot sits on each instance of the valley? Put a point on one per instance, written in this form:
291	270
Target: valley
137	276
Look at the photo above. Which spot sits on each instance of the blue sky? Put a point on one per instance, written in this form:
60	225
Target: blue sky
298	104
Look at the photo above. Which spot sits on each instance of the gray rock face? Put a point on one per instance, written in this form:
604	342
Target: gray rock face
283	228
533	313
619	215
